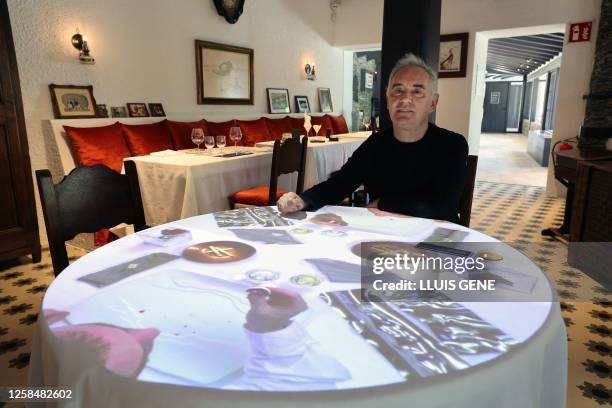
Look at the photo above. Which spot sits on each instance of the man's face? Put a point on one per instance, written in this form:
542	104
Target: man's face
410	98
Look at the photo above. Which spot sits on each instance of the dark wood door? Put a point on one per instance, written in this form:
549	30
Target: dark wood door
18	222
495	107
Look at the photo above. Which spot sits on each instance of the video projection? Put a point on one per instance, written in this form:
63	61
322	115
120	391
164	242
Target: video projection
249	300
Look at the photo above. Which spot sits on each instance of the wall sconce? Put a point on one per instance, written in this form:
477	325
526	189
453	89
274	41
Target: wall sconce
334	5
80	43
310	72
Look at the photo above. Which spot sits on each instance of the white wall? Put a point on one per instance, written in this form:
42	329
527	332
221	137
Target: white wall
144	52
359	24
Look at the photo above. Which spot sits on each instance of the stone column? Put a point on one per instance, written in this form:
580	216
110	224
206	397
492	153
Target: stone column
409	26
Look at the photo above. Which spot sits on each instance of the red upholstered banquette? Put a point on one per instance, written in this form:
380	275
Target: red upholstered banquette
109	145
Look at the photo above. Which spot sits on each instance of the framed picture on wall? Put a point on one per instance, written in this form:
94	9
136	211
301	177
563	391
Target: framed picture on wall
224	74
325	100
301	104
102	110
73	101
156	109
137	110
452	60
118	112
278	100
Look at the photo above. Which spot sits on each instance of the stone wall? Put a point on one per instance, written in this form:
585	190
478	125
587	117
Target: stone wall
364	62
599	105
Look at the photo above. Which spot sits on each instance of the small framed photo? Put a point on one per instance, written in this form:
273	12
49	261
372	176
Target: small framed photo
278	100
137	110
118	112
156	109
301	104
102	110
325	100
73	101
452	61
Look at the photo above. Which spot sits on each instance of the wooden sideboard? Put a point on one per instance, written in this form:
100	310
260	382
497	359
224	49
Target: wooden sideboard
566	166
590	246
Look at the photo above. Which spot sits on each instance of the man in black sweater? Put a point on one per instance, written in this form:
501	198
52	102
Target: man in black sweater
414	168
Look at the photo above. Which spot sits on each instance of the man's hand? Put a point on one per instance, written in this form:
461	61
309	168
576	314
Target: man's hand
373	204
290	202
272	308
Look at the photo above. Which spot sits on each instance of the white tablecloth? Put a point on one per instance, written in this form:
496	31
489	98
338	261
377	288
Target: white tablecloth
180	186
531	374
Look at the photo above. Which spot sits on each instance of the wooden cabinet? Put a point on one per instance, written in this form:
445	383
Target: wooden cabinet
18	222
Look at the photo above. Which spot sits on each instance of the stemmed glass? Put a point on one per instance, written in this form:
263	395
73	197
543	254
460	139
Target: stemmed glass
235	134
197	136
366	124
316	129
209	142
307	126
221	141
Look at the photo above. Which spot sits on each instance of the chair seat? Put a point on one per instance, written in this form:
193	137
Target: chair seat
255	196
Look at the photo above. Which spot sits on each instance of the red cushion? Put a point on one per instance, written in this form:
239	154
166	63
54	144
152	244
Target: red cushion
98	145
254	131
145	139
298	123
223	128
181	132
326	123
339	124
276	127
255	196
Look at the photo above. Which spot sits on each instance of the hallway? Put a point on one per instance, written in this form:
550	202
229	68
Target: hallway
503	158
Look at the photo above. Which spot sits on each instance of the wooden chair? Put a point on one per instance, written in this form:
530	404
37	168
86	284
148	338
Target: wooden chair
287	157
465	203
87	200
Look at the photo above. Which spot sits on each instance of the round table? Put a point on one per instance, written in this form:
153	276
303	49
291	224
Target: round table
247	308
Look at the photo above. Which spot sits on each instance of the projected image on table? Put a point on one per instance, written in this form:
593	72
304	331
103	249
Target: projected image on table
237	335
371	220
245	217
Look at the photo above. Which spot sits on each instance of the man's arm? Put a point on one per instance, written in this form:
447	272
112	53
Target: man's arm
341	183
442	202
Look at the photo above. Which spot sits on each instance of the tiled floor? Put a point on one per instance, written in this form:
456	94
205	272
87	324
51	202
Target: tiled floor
509	212
503	158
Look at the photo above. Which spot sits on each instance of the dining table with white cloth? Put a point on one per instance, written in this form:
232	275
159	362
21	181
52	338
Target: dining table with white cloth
166	317
176	185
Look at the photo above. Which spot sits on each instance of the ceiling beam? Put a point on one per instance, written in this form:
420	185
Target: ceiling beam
544	56
527	48
538	40
532	43
523	57
524	48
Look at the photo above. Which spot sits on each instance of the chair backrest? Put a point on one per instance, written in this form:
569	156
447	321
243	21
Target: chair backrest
87	200
465	203
288	156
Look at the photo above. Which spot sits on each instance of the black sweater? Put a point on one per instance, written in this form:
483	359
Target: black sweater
423	178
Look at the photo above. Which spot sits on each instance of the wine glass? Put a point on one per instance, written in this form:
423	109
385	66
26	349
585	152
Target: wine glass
235	134
209	142
316	129
307	126
197	136
221	141
366	123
